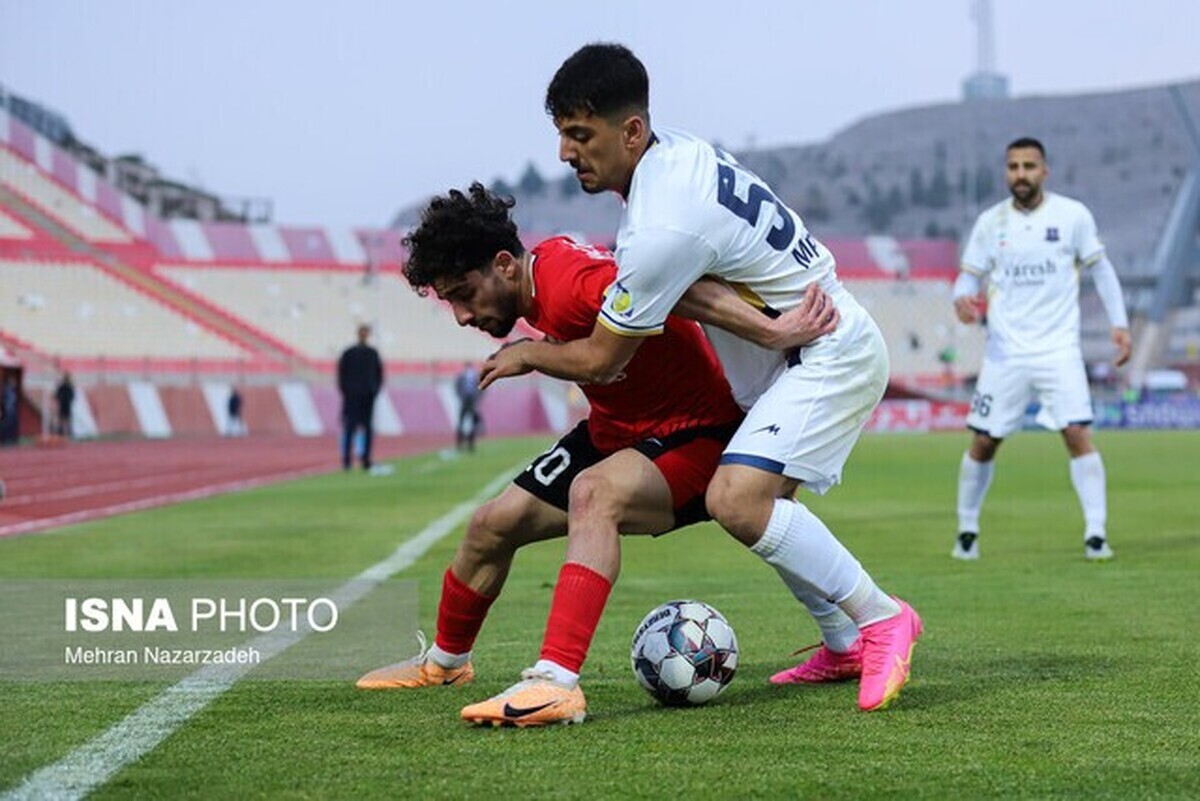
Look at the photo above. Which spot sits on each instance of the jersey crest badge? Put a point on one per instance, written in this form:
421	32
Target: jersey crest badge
621	301
1051	234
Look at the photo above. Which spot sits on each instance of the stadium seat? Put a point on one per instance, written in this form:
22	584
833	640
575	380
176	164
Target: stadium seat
76	309
315	311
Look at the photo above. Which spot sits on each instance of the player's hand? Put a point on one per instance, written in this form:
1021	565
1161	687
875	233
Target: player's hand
507	362
968	308
1124	343
815	317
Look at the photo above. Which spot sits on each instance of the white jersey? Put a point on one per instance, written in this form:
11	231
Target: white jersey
1032	261
692	211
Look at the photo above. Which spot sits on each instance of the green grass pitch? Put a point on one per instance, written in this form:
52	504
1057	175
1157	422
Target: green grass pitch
1040	675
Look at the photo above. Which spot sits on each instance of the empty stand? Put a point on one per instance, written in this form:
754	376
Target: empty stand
315	311
78	310
918	322
10	228
80	217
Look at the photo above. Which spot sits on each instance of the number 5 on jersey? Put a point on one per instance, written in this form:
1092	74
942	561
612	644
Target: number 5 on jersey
784	229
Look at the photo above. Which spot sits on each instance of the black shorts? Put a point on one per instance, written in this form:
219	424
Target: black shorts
687	460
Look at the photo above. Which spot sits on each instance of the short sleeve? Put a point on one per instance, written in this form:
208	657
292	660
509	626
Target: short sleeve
654	270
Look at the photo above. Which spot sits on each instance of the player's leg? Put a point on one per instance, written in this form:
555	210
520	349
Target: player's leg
470	586
975	473
997	410
1089	480
646	491
624	493
532	509
804	428
1067	406
757	507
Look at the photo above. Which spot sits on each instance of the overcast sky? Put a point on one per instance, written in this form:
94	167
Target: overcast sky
342	111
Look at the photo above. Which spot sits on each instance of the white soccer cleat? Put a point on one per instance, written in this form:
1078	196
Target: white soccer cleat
966	547
1095	548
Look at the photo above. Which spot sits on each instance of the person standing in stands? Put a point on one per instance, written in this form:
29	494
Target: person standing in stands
360	377
64	398
466	387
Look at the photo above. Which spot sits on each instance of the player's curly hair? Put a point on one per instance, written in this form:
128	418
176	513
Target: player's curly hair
459	233
601	78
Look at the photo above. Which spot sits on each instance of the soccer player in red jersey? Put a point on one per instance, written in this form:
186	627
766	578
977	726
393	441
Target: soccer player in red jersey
640	463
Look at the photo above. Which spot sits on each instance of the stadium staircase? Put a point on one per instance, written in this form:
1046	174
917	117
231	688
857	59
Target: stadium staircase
165	292
27	354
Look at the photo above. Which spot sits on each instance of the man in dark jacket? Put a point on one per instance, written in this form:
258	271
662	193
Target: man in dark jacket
64	396
10	410
360	377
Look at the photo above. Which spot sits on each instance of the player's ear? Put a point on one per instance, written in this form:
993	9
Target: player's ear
634	131
506	264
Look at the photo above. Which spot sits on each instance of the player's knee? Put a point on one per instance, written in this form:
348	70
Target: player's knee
742	507
1078	439
489	533
725	504
593	494
983	448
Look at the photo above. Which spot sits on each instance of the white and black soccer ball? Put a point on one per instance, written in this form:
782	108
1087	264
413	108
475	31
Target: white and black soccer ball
684	653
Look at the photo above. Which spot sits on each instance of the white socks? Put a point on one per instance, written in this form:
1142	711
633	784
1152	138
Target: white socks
816	567
1087	474
445	659
868	604
838	631
974	478
561	675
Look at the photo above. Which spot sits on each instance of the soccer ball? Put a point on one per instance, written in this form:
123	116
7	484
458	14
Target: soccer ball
684	653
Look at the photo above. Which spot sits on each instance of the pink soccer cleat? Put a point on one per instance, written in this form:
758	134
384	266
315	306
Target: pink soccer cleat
887	648
825	665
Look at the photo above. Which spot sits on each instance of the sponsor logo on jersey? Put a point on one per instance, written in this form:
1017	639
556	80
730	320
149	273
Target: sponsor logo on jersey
1030	274
771	429
1051	234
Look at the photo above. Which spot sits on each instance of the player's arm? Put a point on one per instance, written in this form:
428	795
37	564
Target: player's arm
655	268
968	290
598	359
1108	287
975	264
715	302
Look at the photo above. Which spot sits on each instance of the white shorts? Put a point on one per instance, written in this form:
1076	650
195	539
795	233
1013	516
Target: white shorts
1005	388
805	425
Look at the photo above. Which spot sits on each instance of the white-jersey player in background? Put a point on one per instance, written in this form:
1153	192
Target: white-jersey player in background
691	212
1031	249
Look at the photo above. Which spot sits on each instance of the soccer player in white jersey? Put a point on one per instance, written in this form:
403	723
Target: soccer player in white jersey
1031	249
693	211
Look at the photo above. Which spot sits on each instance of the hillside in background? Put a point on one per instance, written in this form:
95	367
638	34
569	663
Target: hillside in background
926	172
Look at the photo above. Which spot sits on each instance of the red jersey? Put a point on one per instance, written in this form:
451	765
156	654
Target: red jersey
673	381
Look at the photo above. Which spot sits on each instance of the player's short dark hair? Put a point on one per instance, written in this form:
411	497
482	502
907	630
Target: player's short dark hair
1027	141
459	233
601	78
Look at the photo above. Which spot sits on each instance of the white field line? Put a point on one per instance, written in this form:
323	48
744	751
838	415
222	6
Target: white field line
94	763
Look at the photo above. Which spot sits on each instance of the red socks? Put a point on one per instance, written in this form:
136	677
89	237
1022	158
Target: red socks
579	599
460	615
